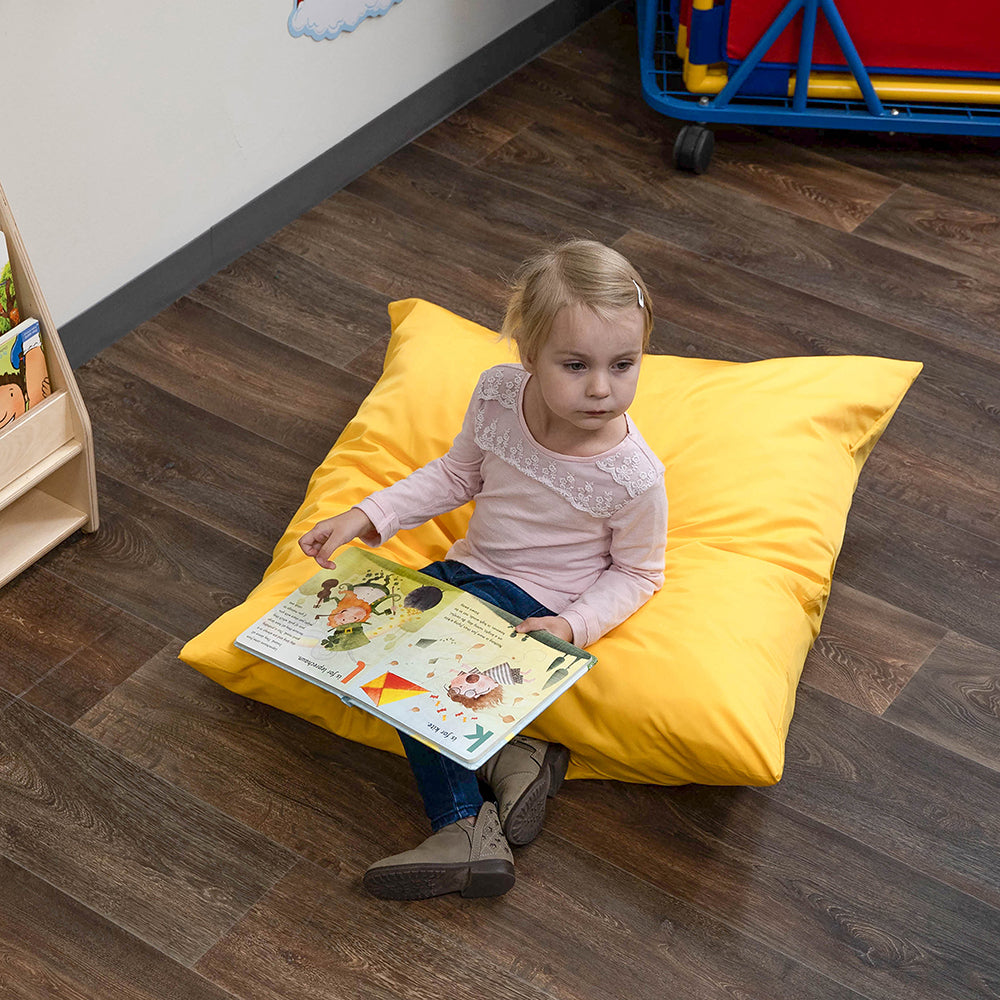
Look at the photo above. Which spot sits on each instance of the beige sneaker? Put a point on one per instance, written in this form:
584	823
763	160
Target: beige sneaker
473	860
522	775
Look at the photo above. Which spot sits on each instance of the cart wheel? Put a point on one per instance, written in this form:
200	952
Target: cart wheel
693	148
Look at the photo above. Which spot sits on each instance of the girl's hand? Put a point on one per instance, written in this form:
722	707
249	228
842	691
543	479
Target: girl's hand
559	627
324	538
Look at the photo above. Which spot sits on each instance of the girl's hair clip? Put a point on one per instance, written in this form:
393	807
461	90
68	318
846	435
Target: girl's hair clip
638	290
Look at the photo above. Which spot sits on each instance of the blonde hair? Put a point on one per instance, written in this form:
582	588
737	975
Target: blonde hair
577	272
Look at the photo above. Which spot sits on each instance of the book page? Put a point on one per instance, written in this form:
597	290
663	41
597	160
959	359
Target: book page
420	654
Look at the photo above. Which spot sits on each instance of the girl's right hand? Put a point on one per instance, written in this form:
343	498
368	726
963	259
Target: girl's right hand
324	538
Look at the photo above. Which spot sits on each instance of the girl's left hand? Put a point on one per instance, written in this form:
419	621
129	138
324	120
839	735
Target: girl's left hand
559	627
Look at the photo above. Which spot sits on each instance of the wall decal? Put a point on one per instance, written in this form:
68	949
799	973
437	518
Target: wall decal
328	18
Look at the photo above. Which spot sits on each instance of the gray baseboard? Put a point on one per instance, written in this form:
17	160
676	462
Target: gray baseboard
153	290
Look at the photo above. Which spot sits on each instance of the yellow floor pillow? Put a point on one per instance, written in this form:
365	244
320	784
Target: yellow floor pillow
761	461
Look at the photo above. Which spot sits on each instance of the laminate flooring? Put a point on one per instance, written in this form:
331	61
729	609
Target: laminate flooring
163	838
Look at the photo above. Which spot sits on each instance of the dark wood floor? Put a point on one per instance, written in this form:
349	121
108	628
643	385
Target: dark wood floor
162	838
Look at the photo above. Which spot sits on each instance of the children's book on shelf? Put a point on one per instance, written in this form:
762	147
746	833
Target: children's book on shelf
9	315
24	375
426	657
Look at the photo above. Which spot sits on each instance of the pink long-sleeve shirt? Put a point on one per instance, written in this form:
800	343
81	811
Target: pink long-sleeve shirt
585	536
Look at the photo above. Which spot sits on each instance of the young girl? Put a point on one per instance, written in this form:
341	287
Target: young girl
568	533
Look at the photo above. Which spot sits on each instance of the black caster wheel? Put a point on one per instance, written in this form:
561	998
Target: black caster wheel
693	148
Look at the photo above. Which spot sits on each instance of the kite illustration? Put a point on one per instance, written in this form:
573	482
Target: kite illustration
391	687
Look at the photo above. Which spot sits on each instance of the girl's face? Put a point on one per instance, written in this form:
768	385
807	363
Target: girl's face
585	376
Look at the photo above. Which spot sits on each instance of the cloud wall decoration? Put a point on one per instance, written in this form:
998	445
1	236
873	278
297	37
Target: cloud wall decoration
322	19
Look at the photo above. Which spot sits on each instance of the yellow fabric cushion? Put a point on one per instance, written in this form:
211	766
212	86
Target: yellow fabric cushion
697	686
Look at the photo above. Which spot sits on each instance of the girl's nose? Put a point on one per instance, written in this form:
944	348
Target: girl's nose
598	385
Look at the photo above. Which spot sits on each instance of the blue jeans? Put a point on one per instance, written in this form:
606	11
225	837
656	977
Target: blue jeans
450	791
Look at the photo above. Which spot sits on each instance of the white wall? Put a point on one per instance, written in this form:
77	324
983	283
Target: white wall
139	126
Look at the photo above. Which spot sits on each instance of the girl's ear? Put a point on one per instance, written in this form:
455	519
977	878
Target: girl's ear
528	363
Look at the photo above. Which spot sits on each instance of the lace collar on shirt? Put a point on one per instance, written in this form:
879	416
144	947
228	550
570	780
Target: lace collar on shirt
628	470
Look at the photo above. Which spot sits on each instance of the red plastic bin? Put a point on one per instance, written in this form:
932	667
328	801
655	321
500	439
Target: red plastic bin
891	36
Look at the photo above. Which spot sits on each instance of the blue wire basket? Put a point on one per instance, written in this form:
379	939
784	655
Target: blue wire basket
665	90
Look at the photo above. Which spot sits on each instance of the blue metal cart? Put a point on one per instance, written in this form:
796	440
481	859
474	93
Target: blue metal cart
692	82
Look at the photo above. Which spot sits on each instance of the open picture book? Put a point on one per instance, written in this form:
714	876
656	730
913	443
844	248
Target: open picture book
428	658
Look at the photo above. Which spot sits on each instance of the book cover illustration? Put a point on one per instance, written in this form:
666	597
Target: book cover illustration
9	314
24	376
424	656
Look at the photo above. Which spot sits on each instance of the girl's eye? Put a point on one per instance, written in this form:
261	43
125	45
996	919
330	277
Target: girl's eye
574	366
624	366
